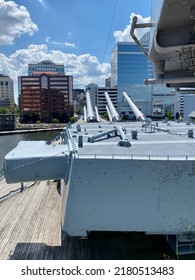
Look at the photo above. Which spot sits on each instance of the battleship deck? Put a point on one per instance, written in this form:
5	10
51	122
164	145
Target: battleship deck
172	138
30	228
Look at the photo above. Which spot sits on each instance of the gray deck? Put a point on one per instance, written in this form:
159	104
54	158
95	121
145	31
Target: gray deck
169	139
30	228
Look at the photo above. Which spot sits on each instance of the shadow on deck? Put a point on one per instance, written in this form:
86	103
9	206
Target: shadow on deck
98	246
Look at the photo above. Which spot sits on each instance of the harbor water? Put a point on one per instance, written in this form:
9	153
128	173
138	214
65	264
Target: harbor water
8	142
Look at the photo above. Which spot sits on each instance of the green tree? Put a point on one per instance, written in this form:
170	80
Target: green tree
17	111
105	116
55	120
4	111
78	110
169	115
73	119
125	117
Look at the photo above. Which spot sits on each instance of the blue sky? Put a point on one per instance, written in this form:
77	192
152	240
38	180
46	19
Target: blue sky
77	33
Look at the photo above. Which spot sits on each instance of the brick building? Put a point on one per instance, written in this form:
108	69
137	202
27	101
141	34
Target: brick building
45	96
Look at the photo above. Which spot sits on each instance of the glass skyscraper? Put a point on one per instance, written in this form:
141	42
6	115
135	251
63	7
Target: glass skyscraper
129	68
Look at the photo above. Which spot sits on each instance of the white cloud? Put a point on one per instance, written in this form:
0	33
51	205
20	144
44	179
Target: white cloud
62	44
14	21
71	45
43	3
84	68
124	36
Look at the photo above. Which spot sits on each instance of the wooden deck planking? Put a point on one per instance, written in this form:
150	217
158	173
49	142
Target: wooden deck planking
6	188
30	217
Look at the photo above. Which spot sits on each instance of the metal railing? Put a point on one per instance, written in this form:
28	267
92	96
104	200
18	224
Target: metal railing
12	192
136	157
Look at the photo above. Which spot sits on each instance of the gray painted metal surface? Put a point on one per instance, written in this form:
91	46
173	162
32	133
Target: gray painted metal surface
172	50
129	195
35	160
147	187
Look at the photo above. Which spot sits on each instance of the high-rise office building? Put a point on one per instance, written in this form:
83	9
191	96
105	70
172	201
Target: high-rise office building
101	99
108	82
45	97
97	95
129	68
6	92
45	66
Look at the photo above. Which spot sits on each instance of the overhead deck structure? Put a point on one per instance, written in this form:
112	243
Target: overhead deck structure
172	50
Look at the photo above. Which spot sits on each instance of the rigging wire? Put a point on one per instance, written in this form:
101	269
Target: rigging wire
108	37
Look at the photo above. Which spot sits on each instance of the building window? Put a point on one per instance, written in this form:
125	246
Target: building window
44	82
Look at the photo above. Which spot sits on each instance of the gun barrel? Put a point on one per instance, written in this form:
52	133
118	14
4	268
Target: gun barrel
138	114
109	115
113	111
90	113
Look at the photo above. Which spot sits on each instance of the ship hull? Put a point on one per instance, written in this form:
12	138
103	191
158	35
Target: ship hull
152	196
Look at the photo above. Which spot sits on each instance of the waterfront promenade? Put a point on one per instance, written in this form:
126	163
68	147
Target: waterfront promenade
30	128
